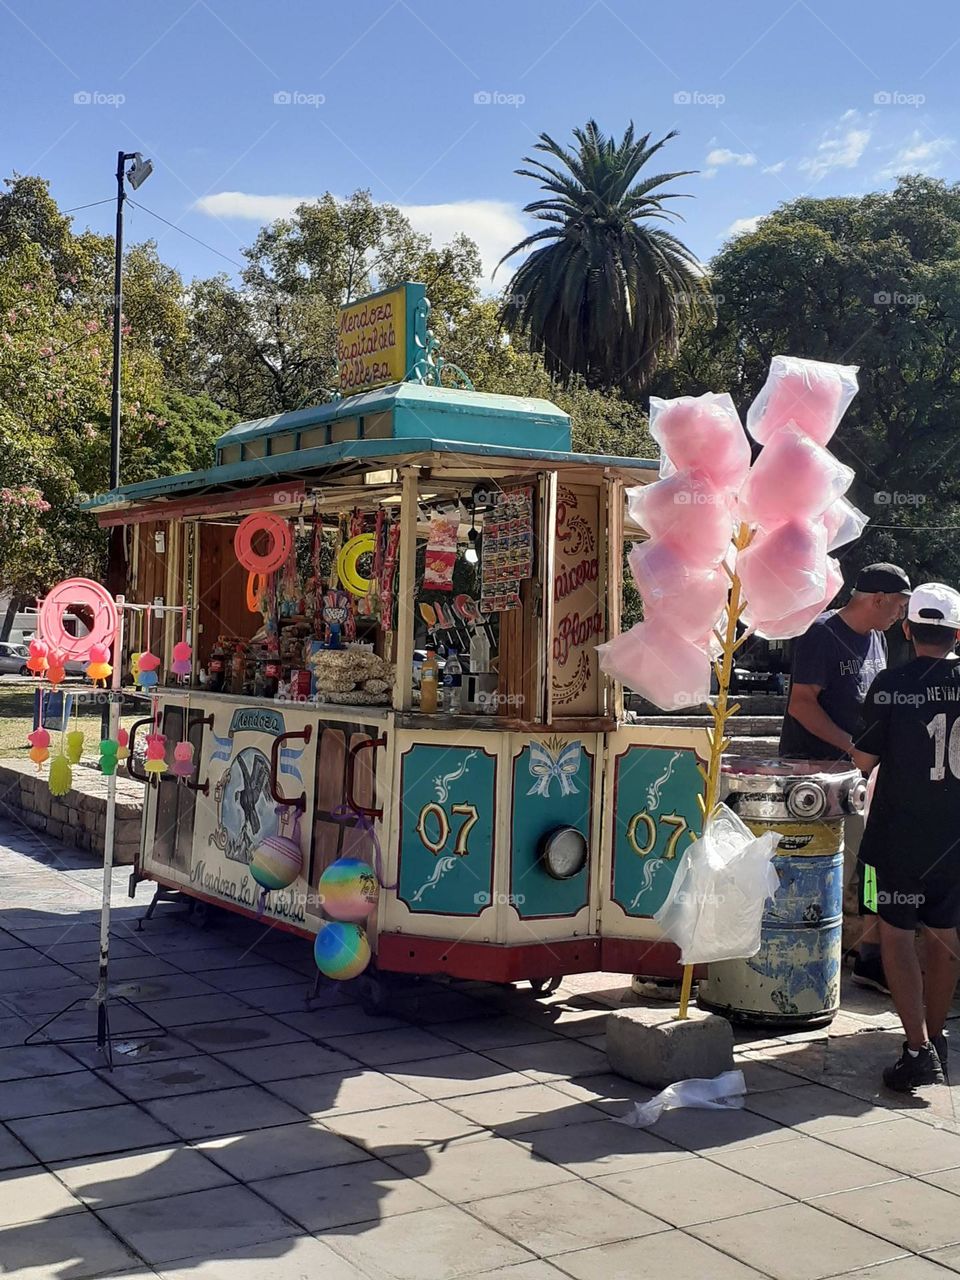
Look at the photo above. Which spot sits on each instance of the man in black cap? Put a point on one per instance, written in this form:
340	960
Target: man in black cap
834	664
911	728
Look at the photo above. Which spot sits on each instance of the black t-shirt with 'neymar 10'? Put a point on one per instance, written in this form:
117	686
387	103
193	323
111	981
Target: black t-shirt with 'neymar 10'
911	720
842	663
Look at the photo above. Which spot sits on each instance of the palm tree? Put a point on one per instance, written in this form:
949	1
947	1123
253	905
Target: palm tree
611	292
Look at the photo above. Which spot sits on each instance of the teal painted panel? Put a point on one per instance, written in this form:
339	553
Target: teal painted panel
552	787
446	829
656	816
506	428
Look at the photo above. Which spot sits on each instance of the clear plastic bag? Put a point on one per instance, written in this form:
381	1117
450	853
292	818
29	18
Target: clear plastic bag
844	523
687	600
785	569
812	393
715	905
797	622
658	664
724	1092
702	433
690	511
793	479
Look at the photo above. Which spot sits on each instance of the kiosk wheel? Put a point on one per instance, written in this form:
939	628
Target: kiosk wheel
372	994
544	986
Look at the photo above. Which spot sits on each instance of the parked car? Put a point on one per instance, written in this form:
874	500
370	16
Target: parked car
13	659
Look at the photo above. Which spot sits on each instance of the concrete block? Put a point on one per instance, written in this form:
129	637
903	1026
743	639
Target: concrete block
60	812
43	802
653	1047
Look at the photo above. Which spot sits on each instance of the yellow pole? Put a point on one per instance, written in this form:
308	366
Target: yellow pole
721	711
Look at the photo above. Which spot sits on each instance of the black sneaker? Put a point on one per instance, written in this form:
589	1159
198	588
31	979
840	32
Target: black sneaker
912	1071
868	972
942	1045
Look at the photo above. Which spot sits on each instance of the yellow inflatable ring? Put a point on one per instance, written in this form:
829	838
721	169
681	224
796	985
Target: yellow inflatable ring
363	544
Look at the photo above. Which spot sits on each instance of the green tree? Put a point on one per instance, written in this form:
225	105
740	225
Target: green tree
55	377
611	292
872	281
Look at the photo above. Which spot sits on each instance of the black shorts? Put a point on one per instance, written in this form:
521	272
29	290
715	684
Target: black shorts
906	900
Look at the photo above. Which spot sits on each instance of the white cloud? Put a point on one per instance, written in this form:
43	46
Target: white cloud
723	155
774	168
743	226
839	148
707	174
495	225
917	155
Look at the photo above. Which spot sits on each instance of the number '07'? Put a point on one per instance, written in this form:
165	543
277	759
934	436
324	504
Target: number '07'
943	753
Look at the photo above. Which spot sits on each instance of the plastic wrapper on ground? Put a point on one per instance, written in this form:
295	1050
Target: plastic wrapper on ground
702	433
715	905
721	1093
658	664
687	509
794	478
784	570
813	394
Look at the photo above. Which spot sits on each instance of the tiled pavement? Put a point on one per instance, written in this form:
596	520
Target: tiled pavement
468	1133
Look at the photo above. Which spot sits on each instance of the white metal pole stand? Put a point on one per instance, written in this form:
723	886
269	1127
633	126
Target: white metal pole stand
102	995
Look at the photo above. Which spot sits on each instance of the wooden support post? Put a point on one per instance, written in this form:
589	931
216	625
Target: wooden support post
406	605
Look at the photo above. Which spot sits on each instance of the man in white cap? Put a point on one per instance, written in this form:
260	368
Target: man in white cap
834	664
911	728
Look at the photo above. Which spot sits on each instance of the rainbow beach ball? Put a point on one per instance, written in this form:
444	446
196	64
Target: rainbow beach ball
341	950
349	890
276	862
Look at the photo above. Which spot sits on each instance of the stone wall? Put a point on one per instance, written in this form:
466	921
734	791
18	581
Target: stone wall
78	818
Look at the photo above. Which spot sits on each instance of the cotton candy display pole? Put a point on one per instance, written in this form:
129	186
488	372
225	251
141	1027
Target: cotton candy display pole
784	515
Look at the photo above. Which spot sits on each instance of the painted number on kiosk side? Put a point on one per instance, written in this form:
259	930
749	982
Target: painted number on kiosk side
642	833
433	827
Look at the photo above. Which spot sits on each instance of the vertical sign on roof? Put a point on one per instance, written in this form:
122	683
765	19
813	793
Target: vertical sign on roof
375	338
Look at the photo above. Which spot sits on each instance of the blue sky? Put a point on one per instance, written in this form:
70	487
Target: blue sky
246	106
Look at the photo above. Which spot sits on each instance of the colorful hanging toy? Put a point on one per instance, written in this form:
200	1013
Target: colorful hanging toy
156	749
74	745
341	950
349	890
147	662
182	659
183	765
60	778
39	746
56	670
37	661
123	744
99	668
277	860
147	670
109	752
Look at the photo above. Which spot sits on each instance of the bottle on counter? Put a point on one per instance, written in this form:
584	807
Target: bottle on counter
429	681
453	684
271	678
479	652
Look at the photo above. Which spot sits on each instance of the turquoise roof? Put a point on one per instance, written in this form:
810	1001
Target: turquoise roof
311	461
418	410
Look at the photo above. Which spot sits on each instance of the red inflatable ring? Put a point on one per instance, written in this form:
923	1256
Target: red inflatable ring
281	541
88	595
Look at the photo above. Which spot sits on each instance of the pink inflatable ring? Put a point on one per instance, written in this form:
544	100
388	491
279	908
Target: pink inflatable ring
71	593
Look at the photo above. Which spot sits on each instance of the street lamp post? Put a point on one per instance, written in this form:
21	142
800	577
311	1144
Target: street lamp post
137	174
